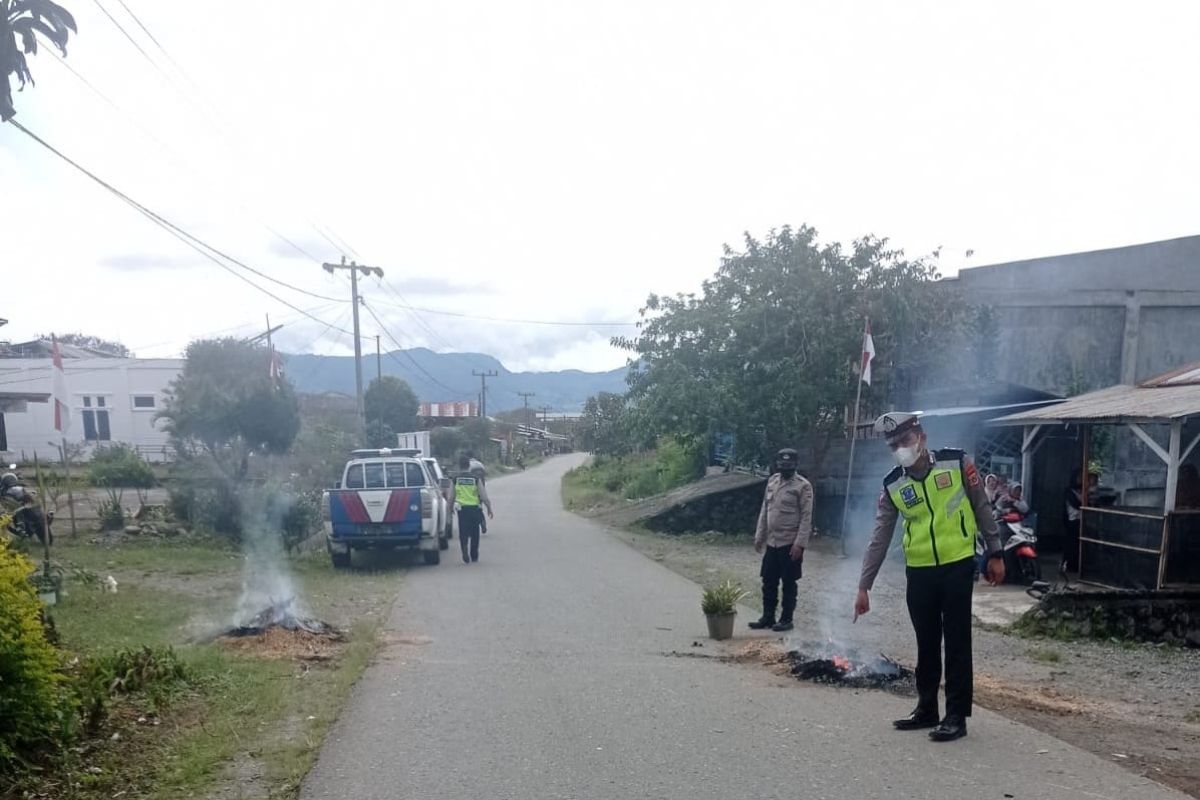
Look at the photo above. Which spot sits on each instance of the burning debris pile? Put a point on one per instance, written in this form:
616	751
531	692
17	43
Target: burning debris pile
281	615
278	631
834	664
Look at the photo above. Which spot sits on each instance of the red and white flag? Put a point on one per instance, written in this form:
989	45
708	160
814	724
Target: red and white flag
62	400
868	355
275	368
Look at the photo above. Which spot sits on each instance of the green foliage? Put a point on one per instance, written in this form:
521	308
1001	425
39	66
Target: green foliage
100	344
20	24
206	502
768	349
392	406
155	671
115	468
722	598
447	443
300	517
633	477
321	449
30	698
380	434
603	426
225	402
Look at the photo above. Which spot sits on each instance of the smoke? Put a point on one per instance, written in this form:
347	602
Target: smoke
266	580
835	605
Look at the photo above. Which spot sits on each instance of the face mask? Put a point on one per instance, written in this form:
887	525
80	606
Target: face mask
787	473
906	456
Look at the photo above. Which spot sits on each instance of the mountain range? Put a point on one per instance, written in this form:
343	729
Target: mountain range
444	377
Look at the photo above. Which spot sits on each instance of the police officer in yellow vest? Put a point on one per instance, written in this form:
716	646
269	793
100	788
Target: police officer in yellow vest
939	495
470	498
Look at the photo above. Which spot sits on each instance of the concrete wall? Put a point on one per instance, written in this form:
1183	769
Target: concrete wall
117	380
1089	320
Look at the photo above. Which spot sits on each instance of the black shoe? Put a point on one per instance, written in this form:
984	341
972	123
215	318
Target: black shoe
782	626
917	720
466	559
951	728
762	623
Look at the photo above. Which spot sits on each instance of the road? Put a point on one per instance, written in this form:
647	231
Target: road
544	671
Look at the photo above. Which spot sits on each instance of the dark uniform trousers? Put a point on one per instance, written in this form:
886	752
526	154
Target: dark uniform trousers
939	604
778	567
470	521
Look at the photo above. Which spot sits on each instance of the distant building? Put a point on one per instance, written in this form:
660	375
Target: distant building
112	400
448	411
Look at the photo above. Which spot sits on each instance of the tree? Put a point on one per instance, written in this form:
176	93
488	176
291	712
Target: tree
768	349
20	23
391	408
102	345
223	413
602	429
225	400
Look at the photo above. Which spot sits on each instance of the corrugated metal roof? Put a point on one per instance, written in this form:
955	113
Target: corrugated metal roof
1183	376
1117	404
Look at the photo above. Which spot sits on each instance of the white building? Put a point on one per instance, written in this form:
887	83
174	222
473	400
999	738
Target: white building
112	400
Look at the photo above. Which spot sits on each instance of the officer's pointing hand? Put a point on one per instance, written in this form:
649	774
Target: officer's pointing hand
862	604
490	514
995	571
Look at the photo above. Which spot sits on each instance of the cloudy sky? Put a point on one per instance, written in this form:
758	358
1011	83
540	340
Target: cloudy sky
557	161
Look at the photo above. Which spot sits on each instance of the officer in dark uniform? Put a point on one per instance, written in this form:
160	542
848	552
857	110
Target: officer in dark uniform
942	500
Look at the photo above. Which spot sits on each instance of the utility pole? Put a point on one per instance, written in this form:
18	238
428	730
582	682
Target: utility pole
545	416
354	301
378	360
483	375
525	396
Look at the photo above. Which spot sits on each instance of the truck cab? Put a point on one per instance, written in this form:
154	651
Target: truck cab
386	499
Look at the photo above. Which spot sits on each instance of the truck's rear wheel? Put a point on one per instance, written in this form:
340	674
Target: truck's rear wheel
444	543
431	557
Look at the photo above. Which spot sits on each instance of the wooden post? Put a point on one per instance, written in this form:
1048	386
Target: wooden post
70	492
1083	490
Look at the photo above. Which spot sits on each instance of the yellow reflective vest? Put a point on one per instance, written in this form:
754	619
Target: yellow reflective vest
939	522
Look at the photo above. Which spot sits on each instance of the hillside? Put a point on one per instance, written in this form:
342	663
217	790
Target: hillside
441	377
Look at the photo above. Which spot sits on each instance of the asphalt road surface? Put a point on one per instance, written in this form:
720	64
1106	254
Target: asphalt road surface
545	671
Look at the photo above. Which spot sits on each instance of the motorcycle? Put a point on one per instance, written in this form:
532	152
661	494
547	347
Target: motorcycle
26	521
1020	554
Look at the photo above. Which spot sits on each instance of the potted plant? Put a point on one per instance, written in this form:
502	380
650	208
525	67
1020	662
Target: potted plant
719	605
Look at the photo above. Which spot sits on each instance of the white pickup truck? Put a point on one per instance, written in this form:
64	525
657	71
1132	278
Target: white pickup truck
386	499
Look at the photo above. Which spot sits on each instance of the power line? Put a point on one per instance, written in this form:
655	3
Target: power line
163	222
414	362
196	244
515	321
198	103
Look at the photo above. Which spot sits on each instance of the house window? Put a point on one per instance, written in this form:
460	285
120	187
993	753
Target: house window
95	419
142	402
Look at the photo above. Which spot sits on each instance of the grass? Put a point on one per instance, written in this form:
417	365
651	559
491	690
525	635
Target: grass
245	719
1193	716
1044	655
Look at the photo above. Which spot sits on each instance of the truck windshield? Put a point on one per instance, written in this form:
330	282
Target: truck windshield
395	475
354	477
375	475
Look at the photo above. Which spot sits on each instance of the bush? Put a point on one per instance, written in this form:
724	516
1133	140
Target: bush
115	468
155	671
30	700
301	519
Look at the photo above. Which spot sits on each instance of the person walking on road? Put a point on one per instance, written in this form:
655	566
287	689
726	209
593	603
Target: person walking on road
470	498
784	526
943	502
480	473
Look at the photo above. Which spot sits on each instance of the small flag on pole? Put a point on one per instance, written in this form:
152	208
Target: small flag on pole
868	355
62	406
276	368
